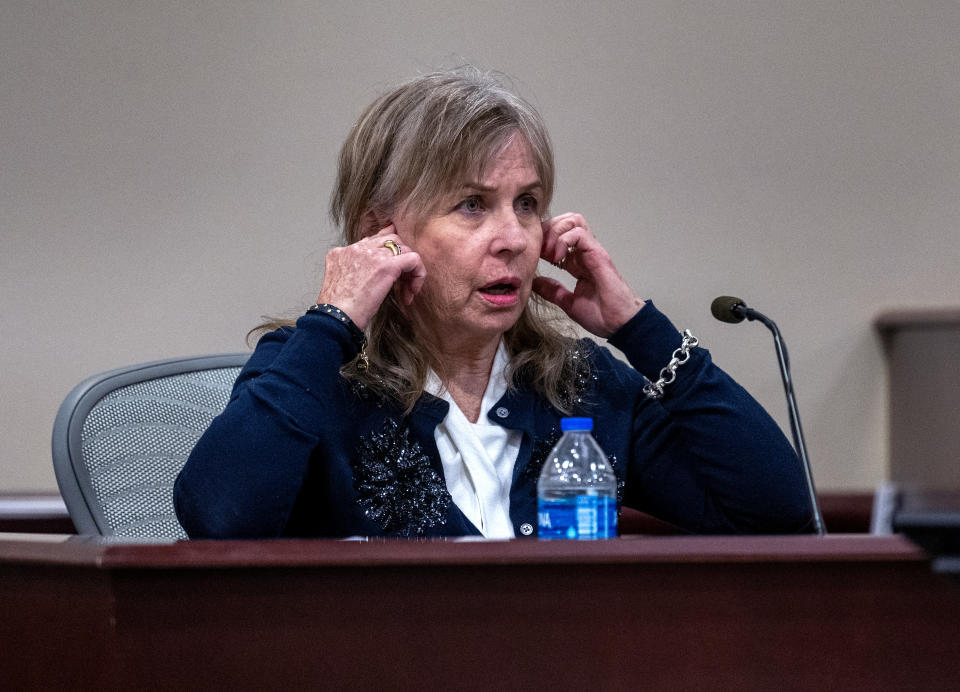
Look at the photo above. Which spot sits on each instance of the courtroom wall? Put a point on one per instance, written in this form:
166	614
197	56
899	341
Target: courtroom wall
165	170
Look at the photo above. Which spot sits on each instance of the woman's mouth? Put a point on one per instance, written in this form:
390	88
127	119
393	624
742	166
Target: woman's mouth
503	292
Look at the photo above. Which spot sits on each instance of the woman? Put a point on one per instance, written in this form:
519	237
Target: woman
420	396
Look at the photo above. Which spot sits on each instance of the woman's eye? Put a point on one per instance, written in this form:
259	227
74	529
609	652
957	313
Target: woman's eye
527	205
471	205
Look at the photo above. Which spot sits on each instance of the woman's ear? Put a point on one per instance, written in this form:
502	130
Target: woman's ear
371	223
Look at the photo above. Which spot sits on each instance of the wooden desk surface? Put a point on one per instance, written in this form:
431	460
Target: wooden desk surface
104	553
840	612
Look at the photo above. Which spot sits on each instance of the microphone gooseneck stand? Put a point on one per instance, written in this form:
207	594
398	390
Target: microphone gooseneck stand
734	310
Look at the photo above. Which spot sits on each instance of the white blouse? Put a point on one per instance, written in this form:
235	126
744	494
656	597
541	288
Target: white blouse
478	458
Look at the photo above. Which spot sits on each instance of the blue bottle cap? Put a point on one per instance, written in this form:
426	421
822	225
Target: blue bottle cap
576	424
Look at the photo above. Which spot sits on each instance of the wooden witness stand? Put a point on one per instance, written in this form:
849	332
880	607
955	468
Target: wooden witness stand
656	613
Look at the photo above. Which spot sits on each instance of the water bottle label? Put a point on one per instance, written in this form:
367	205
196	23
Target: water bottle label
583	517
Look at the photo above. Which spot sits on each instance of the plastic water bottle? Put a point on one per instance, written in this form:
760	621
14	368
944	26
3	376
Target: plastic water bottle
577	492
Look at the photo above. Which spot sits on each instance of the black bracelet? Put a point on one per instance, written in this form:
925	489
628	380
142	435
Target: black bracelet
356	334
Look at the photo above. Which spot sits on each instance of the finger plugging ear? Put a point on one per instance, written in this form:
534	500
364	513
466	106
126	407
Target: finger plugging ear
562	236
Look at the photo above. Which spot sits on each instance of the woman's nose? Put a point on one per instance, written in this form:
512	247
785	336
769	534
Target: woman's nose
511	235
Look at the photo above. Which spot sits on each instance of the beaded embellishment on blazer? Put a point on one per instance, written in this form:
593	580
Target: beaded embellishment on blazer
396	486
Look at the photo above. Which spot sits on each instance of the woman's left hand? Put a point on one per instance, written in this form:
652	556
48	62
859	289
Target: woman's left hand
602	301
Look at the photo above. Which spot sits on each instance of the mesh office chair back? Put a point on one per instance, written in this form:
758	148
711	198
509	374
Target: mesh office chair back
121	437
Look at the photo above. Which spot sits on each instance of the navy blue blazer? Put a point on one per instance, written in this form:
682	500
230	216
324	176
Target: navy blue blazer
299	451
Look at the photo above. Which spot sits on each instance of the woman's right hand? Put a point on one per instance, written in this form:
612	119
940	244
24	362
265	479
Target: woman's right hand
358	277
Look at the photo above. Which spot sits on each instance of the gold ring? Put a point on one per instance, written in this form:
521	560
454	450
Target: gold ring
393	247
563	260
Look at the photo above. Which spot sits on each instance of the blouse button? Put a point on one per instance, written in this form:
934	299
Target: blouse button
526	529
503	412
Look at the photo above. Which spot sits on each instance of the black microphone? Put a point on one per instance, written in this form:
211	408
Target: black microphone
728	309
734	310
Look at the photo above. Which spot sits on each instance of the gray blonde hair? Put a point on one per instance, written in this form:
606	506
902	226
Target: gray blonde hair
411	148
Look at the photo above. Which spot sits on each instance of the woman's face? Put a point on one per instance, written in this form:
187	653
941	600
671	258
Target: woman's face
480	250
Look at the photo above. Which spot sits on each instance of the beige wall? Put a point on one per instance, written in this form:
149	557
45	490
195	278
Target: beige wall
165	166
